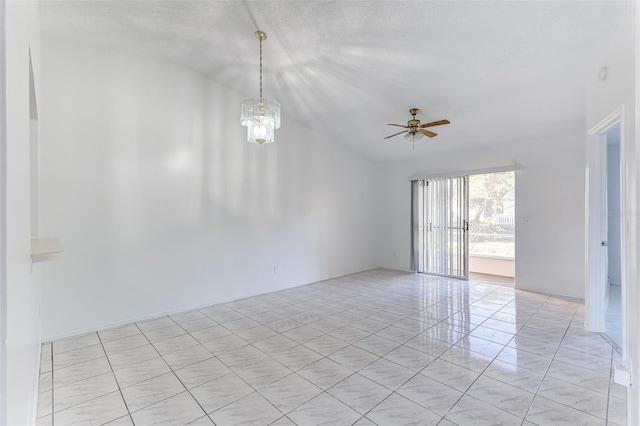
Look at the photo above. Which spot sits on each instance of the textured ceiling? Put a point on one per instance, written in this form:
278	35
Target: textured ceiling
501	72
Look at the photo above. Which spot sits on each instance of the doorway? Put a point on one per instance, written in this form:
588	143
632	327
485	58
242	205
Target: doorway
613	285
443	220
607	232
492	225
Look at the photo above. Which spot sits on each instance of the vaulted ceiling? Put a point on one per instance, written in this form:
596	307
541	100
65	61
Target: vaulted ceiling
502	72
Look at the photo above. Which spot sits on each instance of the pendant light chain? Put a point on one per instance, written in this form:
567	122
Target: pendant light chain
261	69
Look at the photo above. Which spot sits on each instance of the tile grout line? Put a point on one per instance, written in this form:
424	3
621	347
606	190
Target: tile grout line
117	383
611	372
394	392
173	372
505	345
216	357
68	384
323	391
524	418
52	387
485	369
551	363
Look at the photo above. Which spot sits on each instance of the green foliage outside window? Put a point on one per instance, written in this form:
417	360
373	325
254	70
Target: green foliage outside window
491	214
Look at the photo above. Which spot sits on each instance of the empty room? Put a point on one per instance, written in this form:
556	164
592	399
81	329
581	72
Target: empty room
319	212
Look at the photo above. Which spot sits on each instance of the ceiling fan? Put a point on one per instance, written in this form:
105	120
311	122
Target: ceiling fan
415	129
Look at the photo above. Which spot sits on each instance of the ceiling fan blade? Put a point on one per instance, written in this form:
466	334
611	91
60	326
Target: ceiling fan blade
428	133
396	134
399	125
436	123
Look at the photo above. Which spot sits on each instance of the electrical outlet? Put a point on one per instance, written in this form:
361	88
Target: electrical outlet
275	269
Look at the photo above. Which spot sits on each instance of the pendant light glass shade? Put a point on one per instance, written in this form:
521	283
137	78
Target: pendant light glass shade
413	136
261	116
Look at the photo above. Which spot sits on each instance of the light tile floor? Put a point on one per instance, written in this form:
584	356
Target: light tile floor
375	348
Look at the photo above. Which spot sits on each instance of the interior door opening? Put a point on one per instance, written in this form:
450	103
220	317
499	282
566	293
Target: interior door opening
607	234
613	325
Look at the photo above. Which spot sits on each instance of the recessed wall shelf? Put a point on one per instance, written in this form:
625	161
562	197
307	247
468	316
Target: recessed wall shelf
44	249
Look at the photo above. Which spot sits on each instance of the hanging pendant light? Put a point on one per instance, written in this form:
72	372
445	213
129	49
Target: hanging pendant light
260	115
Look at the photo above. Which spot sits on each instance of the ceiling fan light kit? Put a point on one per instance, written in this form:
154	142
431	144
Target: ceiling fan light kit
415	131
413	136
260	115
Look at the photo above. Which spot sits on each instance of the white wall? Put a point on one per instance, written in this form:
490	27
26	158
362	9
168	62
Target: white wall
161	205
20	318
603	97
549	207
613	207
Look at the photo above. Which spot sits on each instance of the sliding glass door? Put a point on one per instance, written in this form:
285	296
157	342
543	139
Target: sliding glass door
440	209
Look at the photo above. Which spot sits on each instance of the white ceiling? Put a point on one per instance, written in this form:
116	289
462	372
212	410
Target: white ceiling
501	72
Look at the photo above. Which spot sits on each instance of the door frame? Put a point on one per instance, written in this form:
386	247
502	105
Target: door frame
3	216
514	167
596	225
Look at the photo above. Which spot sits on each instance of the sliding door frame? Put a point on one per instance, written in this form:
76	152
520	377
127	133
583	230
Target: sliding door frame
417	263
440	225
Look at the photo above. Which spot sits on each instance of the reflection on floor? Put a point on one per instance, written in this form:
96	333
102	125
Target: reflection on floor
493	279
614	315
379	347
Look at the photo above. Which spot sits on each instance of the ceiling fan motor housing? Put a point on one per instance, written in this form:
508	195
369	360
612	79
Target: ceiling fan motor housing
413	123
